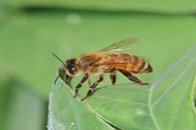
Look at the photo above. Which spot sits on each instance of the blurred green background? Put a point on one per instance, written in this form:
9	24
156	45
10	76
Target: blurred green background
30	31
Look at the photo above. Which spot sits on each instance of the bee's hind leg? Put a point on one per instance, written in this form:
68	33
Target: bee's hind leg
132	77
92	87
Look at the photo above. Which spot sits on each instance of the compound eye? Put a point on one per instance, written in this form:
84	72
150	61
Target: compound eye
72	69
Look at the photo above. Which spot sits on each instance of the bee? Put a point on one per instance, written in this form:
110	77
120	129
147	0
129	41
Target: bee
108	60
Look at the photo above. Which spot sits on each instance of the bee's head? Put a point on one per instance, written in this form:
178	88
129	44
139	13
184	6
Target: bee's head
71	67
68	70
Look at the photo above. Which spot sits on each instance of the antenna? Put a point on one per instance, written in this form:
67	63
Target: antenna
61	62
58	58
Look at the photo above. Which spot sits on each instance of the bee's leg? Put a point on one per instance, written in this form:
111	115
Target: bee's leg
132	77
113	78
80	84
92	87
68	79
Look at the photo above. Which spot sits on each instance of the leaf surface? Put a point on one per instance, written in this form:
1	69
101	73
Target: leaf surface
66	113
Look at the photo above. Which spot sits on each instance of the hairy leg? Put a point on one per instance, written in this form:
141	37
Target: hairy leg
80	84
113	78
132	77
92	87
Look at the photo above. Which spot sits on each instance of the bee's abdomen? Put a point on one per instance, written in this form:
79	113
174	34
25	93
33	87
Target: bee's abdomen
134	64
143	67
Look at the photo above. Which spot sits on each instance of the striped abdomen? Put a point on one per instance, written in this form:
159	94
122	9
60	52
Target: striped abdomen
131	63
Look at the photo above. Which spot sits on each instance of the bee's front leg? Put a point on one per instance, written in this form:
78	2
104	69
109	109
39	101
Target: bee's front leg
68	80
92	87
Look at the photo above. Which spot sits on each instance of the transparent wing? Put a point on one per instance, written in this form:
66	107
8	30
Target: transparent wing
120	46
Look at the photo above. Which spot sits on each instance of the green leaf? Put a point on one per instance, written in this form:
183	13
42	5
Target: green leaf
167	105
66	113
123	105
171	99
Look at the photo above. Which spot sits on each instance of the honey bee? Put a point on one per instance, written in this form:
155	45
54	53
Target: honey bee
108	60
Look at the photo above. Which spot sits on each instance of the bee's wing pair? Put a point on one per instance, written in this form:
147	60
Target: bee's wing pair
119	46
